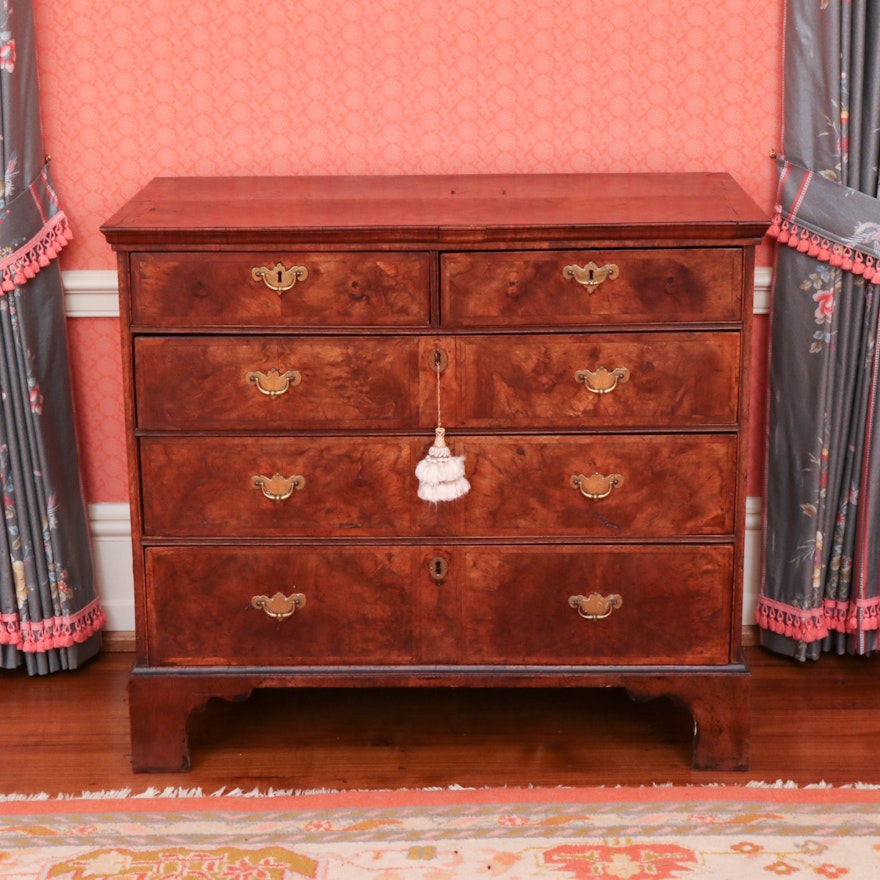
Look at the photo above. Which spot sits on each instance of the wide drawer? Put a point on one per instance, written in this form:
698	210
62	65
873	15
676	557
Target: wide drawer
604	486
602	605
589	381
542	288
220	605
448	605
239	289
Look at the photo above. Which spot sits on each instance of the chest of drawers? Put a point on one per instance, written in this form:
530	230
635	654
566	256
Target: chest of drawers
282	339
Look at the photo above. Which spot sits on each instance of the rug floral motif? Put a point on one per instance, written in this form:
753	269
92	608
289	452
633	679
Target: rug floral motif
570	834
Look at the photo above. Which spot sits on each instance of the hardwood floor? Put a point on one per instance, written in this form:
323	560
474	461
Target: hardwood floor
68	733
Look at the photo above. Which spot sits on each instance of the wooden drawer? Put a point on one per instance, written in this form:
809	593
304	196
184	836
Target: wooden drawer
221	383
340	290
494	605
533	288
214	383
674	604
365	486
649	380
358	605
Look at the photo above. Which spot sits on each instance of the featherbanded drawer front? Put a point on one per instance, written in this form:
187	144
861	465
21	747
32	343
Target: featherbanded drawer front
392	604
294	350
588	287
282	606
582	382
595	604
267	289
642	486
279	383
599	381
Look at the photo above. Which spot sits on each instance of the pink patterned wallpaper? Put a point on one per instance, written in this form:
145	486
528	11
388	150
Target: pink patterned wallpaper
96	368
132	89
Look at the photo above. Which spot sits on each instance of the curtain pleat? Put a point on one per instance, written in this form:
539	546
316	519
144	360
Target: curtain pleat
50	618
821	583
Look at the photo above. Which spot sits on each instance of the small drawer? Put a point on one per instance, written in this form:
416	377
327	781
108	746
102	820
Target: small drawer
597	605
599	381
279	383
280	289
221	605
611	486
591	287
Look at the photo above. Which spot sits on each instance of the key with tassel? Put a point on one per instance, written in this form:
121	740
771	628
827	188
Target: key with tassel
440	473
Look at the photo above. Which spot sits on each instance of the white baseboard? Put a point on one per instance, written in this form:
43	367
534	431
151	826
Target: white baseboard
110	524
752	563
111	547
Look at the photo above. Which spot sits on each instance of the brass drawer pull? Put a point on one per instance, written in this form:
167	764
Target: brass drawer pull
277	488
595	606
278	278
602	381
597	485
591	275
273	383
279	606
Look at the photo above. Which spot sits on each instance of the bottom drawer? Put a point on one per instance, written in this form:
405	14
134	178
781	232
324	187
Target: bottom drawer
478	605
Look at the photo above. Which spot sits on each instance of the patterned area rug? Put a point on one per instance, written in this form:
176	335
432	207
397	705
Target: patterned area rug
518	834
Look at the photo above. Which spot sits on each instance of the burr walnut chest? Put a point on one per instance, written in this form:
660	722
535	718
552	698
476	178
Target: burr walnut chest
286	342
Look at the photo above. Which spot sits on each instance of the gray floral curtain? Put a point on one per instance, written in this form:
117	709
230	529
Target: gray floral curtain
50	618
821	585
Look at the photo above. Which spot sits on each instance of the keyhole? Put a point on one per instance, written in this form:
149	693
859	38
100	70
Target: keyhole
439	360
592	277
438	568
280	279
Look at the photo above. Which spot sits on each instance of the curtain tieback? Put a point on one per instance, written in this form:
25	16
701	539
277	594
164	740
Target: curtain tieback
828	221
32	234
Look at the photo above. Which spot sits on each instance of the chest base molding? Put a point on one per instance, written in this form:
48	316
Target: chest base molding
717	698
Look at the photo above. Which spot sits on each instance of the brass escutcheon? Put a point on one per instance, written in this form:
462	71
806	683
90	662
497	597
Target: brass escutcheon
591	275
438	568
439	360
278	278
596	486
279	606
277	488
595	606
602	381
273	383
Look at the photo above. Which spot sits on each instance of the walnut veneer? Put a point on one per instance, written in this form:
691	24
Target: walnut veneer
279	339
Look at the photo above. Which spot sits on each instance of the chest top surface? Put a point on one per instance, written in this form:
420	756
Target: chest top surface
436	209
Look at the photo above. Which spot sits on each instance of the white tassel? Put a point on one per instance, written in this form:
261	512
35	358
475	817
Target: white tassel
441	474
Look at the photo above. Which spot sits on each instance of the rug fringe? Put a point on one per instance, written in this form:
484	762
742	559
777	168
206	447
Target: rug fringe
171	792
